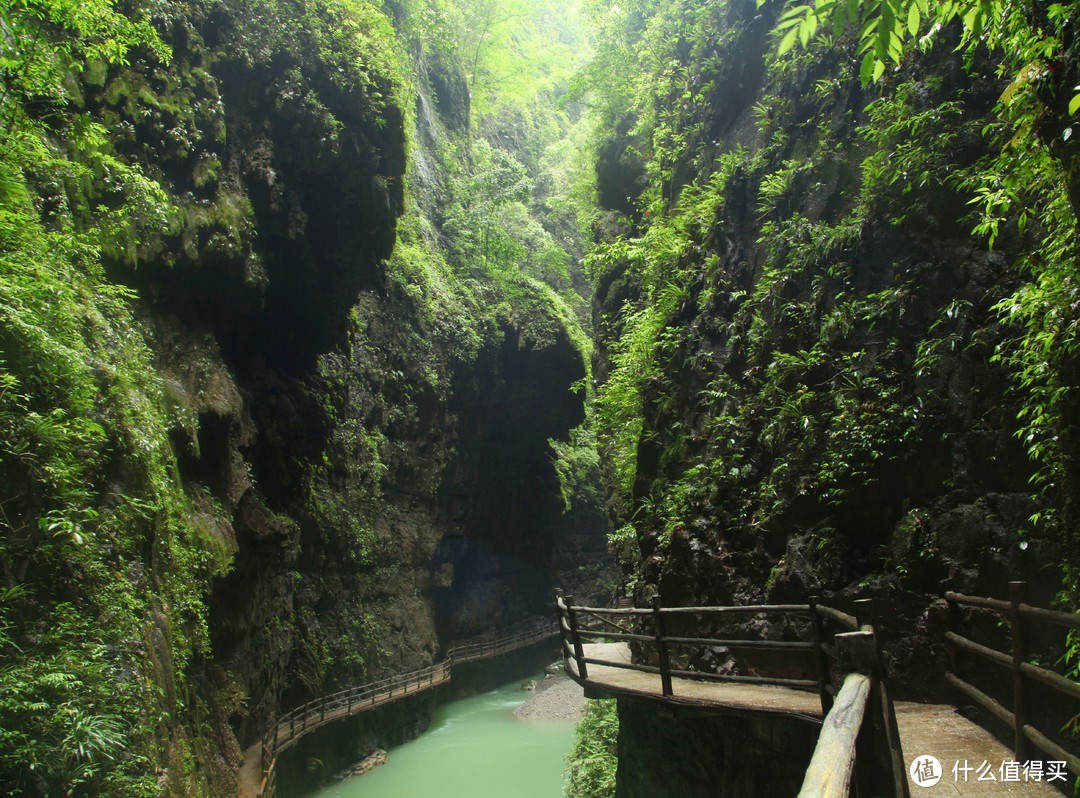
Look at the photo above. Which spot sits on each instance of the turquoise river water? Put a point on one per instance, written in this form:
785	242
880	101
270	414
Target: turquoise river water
475	748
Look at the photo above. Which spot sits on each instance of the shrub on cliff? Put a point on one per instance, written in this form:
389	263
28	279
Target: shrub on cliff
592	761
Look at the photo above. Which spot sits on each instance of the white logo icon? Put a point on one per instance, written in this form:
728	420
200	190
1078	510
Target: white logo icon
925	771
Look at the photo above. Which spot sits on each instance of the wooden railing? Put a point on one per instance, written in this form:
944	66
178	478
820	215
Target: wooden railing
859	745
855	702
344	703
1019	615
579	625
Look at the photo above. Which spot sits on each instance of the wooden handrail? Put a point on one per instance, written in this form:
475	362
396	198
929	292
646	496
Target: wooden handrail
573	635
862	713
862	709
833	763
842	618
1071	619
1019	718
862	705
744	609
977	601
307	717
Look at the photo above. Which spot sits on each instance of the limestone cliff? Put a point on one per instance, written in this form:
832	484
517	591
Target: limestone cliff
349	444
823	413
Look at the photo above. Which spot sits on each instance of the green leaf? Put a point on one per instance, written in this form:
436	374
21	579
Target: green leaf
879	70
788	41
973	23
913	19
789	21
866	69
1074	104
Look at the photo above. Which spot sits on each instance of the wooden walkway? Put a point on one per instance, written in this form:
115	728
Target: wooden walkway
744	698
257	776
937	730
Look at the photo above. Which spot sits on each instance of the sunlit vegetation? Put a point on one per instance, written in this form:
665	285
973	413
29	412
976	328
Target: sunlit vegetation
111	158
821	366
593	760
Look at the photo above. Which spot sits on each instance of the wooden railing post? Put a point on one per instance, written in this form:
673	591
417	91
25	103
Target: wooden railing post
1021	693
817	629
559	617
879	765
662	647
952	624
579	650
864	613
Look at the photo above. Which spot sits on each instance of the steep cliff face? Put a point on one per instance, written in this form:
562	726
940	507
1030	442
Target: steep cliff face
673	756
300	453
389	484
825	416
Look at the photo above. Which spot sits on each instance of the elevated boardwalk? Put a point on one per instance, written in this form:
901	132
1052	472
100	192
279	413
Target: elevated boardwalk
934	729
257	777
750	699
848	699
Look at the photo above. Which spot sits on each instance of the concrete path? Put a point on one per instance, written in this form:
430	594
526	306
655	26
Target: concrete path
250	774
765	699
938	730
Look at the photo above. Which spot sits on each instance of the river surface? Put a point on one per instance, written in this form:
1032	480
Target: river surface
475	748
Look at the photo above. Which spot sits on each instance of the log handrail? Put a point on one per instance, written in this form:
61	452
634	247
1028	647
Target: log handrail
833	762
863	714
1019	718
307	717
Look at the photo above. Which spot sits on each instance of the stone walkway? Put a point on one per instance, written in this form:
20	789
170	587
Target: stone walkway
250	773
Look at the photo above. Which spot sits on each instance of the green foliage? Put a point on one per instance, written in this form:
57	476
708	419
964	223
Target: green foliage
577	465
485	223
90	478
1028	180
105	561
658	259
515	51
759	383
70	734
592	760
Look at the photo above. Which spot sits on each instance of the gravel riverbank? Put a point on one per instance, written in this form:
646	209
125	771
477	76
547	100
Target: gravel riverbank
556	698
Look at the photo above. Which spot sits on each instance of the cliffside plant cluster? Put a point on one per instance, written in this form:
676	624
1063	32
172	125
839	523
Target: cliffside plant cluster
834	330
835	305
